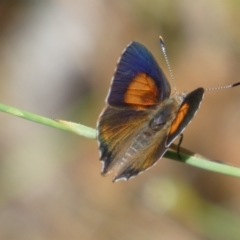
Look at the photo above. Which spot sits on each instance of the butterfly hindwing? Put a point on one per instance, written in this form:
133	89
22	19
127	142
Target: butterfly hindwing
116	129
145	158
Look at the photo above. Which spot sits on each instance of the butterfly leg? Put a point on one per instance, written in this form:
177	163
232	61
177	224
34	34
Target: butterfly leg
178	146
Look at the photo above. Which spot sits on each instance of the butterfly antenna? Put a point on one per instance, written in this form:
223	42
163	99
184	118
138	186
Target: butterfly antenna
223	87
166	59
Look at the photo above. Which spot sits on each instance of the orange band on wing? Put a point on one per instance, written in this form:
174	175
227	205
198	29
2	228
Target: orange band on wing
179	118
142	91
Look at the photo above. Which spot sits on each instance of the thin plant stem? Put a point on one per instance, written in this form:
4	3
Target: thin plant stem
187	157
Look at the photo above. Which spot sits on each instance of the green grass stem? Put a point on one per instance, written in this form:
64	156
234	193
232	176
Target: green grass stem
92	134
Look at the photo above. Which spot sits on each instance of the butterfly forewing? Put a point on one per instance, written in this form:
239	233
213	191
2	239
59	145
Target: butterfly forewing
138	80
185	113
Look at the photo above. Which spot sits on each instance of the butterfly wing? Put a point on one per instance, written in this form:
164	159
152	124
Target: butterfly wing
138	81
144	159
129	144
185	113
138	86
116	129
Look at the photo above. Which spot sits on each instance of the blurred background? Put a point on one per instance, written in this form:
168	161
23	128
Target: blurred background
57	58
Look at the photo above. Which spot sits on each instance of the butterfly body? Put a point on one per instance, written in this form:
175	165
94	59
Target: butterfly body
141	119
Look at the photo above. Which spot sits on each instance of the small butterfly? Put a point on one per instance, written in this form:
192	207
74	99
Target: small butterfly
141	119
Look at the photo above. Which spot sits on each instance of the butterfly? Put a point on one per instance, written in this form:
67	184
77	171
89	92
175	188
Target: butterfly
141	119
